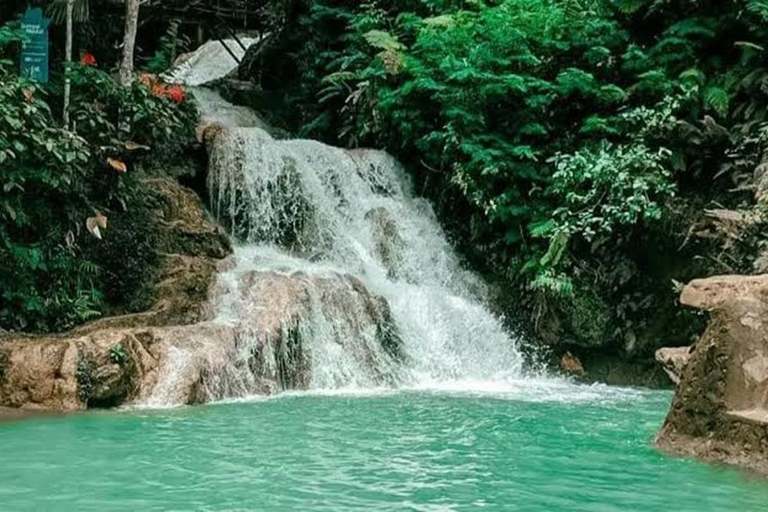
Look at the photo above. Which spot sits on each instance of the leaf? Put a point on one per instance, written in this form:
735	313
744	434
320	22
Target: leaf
694	76
11	211
117	165
719	99
133	146
748	44
95	224
70	238
383	40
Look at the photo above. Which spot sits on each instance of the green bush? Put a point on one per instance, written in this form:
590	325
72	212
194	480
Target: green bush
551	134
61	267
109	115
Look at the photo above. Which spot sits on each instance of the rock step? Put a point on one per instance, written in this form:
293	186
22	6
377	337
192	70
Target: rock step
755	416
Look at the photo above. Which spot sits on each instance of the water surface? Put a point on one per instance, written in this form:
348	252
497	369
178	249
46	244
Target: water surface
580	449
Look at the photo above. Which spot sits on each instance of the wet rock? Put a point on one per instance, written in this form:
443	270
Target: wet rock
673	361
388	244
720	409
283	311
185	226
571	364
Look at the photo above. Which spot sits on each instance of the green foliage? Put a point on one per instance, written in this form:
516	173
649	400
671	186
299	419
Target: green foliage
108	115
42	173
52	181
128	255
606	189
552	134
171	44
118	355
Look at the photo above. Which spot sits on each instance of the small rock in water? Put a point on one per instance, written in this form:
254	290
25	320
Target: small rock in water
571	364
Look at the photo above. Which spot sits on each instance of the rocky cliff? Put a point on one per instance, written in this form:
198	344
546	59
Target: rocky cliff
720	409
100	364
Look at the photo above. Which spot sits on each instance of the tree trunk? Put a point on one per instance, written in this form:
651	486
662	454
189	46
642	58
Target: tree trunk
68	62
129	41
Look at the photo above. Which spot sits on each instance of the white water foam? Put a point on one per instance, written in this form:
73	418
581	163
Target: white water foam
210	62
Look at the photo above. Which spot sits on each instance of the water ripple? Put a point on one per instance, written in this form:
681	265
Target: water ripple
413	450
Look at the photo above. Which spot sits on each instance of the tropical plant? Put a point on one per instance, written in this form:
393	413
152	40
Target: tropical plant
75	233
552	134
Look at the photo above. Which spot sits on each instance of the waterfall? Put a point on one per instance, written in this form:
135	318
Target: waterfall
342	279
212	61
302	208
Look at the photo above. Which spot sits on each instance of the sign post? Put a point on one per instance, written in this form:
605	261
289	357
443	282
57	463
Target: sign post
34	52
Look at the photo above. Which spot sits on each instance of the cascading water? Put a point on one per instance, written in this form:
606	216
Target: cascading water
343	279
301	206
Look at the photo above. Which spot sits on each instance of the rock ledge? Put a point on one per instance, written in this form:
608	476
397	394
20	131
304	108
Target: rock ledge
720	409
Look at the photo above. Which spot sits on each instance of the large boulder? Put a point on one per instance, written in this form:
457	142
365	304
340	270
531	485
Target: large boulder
278	324
720	409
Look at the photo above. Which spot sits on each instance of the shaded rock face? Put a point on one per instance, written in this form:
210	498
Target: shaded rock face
186	228
192	247
720	409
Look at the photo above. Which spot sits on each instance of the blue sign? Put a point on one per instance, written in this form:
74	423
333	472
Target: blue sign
34	51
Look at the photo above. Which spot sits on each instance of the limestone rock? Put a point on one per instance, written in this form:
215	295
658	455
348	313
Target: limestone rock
710	294
673	361
185	226
571	364
720	409
265	350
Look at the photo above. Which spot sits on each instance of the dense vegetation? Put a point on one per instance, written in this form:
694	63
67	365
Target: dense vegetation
589	155
75	241
589	151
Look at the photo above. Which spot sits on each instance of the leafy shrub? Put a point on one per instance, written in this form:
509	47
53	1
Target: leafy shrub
109	115
61	189
118	355
42	173
552	134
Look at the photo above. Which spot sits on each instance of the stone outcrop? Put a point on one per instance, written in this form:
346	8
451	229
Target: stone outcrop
720	409
178	353
673	361
571	365
263	351
107	361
